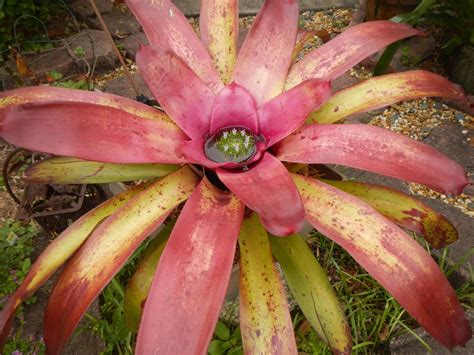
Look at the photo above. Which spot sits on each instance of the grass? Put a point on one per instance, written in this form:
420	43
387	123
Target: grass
16	247
373	315
375	318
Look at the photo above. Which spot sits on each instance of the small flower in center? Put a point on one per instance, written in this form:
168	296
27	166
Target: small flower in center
232	144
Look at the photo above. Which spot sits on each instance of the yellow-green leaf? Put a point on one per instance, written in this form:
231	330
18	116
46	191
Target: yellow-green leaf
59	251
139	285
313	292
107	250
382	91
403	209
66	170
264	316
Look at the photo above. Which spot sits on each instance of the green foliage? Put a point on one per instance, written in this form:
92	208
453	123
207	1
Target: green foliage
374	316
30	17
455	16
16	246
19	344
407	59
111	325
56	79
79	51
411	18
226	340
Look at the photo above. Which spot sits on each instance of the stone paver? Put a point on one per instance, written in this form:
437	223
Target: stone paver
96	49
83	8
131	44
121	86
120	24
408	345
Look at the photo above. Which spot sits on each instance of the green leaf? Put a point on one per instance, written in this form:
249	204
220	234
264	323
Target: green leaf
139	285
264	317
216	348
411	18
384	62
313	292
66	170
221	331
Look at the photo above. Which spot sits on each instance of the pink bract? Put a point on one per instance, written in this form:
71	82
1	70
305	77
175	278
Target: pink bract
239	117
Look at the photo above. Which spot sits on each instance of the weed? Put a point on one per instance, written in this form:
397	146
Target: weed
56	79
374	316
407	59
226	340
79	51
16	247
111	325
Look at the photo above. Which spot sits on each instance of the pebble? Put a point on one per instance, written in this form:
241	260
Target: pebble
459	116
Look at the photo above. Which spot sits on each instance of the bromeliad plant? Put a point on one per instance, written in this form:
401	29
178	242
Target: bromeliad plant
229	122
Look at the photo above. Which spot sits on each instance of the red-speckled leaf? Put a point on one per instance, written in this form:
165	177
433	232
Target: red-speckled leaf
265	56
285	113
87	125
189	285
267	189
139	284
60	249
340	54
404	210
374	149
166	27
392	257
313	292
183	96
219	26
265	321
384	90
234	106
106	251
65	170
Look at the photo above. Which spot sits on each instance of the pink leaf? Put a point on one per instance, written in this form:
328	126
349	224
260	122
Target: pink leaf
285	113
265	56
184	97
392	257
189	285
166	27
267	189
340	54
106	251
87	125
234	106
374	149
